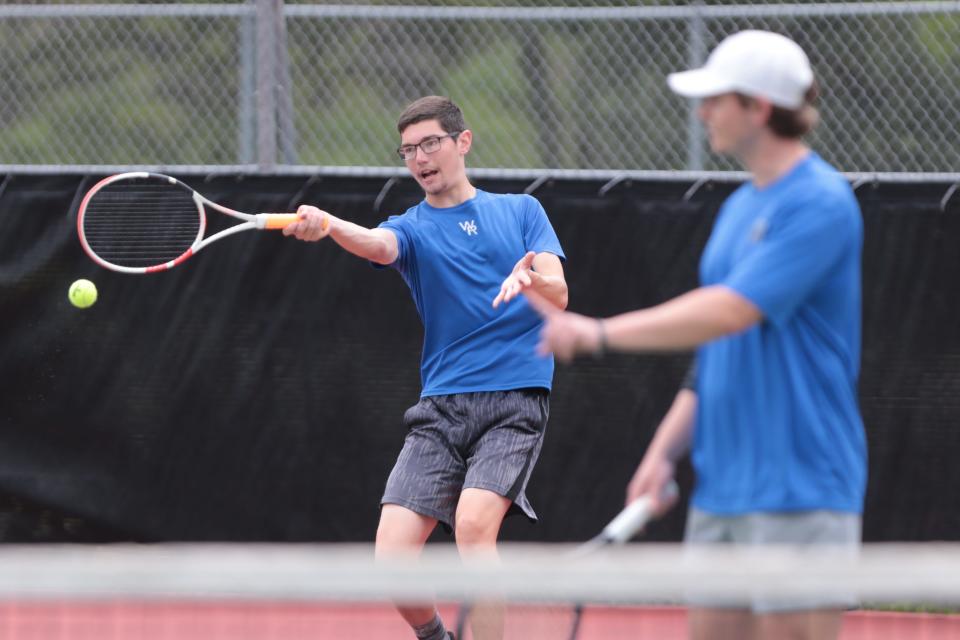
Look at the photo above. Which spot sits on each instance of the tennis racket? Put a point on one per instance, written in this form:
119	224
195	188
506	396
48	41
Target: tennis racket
628	523
142	222
561	620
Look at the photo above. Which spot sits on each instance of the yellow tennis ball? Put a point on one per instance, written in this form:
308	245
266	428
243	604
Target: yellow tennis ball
83	293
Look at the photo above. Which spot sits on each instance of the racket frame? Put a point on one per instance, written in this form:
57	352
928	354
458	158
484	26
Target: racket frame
259	221
628	523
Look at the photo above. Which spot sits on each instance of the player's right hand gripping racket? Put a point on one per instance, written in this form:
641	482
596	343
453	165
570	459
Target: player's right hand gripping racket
621	529
142	222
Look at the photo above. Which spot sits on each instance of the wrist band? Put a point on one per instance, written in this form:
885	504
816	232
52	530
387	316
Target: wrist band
602	344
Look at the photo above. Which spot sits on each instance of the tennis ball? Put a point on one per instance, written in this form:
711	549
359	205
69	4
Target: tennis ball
83	293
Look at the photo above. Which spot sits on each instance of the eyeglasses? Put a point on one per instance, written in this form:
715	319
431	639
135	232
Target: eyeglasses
430	144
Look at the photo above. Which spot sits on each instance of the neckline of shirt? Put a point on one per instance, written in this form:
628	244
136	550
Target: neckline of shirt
783	179
456	208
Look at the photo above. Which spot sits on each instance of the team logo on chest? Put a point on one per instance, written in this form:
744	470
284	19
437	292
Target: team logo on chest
759	230
469	227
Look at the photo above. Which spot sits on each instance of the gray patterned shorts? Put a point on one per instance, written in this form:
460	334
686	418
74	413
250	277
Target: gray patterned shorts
485	440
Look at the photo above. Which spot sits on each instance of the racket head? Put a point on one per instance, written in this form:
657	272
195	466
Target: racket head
140	222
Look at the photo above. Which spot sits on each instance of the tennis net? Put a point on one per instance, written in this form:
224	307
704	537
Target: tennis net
321	592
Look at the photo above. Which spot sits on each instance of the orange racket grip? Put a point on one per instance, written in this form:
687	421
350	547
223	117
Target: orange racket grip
278	220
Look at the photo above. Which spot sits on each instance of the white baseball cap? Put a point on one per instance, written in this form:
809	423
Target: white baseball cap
760	64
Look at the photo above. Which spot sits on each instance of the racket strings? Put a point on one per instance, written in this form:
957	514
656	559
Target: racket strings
141	222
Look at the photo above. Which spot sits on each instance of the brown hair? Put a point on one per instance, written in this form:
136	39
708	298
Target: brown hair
433	108
792	123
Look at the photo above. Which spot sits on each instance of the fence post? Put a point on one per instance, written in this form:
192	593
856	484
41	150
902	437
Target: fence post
284	87
246	113
696	54
266	99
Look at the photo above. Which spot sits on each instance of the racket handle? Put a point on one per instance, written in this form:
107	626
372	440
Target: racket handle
635	516
281	220
275	220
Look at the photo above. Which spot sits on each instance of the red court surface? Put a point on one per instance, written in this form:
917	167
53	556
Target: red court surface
292	621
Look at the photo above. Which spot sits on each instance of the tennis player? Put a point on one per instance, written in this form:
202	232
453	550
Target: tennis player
771	418
476	433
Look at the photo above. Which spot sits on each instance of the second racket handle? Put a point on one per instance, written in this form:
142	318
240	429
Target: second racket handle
635	516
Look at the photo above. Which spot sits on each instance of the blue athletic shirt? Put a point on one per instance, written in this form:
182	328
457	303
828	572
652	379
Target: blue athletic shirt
454	261
778	426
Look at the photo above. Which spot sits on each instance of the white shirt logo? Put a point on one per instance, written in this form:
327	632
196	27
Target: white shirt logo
469	226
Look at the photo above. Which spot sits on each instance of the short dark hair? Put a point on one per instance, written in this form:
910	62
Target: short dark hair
792	123
437	108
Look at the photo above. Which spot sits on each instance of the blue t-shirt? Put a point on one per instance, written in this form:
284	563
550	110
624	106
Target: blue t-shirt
454	261
778	426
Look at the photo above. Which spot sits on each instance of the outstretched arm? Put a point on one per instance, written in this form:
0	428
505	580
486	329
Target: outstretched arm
376	245
540	272
682	323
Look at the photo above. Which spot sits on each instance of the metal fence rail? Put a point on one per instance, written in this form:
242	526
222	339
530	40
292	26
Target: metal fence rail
572	87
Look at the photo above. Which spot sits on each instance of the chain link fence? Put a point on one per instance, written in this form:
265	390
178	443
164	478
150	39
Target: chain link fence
575	86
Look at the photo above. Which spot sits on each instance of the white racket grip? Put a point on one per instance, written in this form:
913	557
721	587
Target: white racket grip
635	516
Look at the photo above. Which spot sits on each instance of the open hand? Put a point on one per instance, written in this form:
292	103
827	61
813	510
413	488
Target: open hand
519	279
